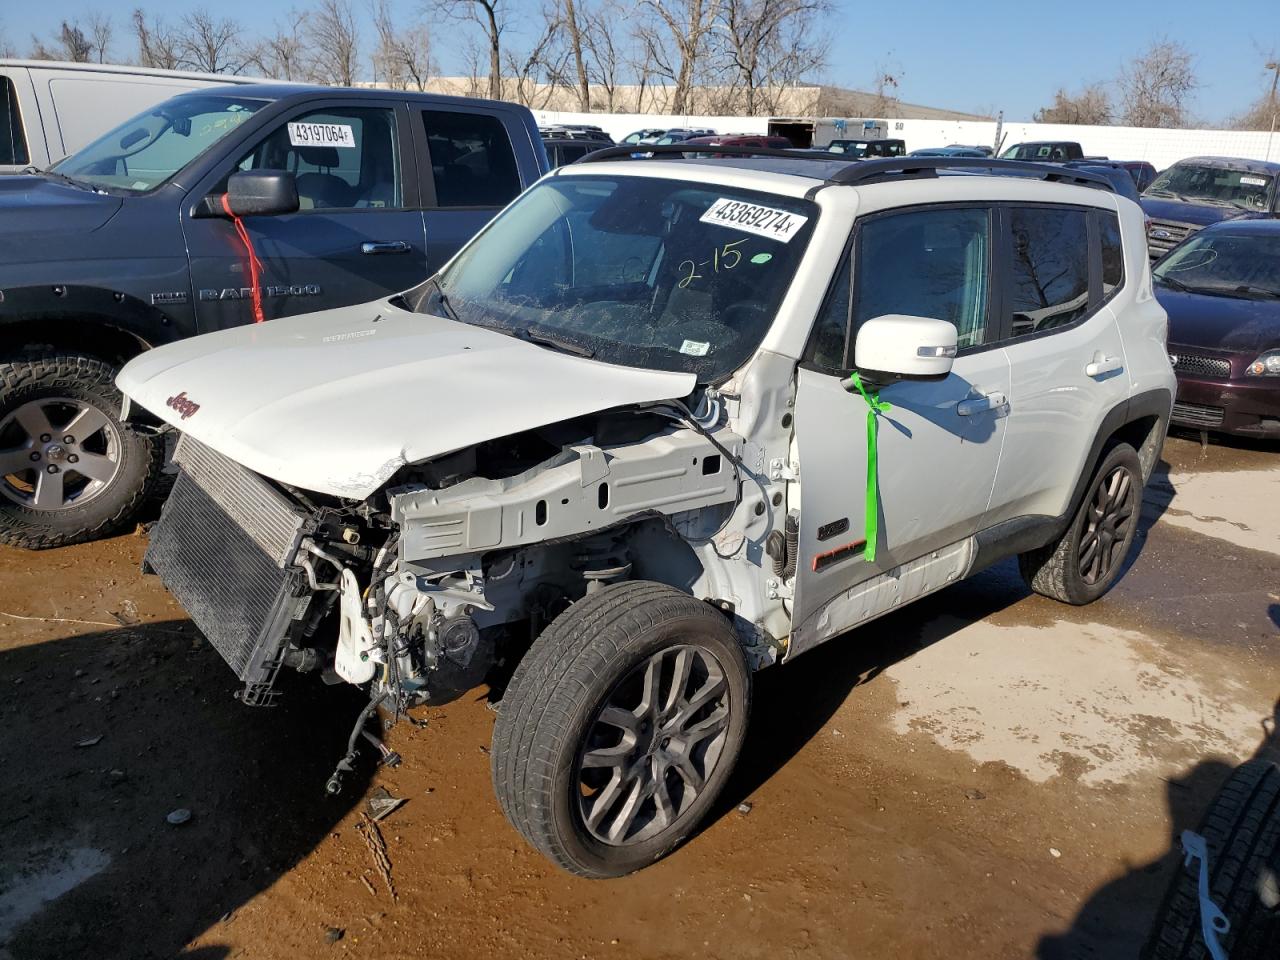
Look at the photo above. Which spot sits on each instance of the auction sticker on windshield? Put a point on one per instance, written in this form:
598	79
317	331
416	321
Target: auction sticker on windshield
321	135
752	218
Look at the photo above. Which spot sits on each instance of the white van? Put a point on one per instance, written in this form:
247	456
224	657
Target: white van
50	109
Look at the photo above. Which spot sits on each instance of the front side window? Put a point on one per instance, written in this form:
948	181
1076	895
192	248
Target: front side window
144	152
341	158
926	263
13	140
472	162
1241	266
656	273
1212	184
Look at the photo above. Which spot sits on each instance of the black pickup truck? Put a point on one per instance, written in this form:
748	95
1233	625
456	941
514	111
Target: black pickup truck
216	208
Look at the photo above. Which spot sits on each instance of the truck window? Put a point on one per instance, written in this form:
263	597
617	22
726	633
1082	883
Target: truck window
472	162
343	159
13	140
1050	268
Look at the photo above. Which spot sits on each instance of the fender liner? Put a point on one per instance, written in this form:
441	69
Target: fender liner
1020	534
49	307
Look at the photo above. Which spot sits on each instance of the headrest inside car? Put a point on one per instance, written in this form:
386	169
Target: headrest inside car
319	156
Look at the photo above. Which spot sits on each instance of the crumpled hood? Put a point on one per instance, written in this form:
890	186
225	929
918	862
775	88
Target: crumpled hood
338	401
33	204
1183	211
1233	325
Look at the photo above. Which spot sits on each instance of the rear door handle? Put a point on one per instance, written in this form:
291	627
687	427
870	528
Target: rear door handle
385	246
1103	365
990	401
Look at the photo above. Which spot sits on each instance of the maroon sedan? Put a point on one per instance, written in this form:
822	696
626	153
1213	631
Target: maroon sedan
1221	288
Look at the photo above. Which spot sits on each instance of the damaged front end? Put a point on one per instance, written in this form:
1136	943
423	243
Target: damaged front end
461	561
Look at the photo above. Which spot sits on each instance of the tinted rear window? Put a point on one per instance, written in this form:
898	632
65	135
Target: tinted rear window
472	162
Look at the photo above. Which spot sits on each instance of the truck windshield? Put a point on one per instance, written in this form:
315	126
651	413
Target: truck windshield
663	274
144	152
1222	185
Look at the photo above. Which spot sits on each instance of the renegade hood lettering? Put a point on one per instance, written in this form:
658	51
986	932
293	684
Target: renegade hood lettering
338	401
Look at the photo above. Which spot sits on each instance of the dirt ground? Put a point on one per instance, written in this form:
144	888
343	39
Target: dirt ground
983	774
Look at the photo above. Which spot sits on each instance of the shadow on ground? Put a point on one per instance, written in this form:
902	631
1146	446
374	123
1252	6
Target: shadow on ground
172	737
1116	919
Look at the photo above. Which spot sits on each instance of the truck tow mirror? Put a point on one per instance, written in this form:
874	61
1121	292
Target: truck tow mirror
260	193
899	347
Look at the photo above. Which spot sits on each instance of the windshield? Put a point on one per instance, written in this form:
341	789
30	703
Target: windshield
1190	181
1228	265
144	152
662	274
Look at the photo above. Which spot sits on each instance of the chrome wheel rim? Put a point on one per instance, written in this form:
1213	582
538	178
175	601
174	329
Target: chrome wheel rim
653	746
1108	523
57	453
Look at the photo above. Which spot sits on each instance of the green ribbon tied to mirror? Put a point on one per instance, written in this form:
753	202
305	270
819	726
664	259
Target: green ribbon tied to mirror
871	518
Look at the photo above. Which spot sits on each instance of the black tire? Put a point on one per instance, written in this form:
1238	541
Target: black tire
1060	570
88	381
549	720
1242	833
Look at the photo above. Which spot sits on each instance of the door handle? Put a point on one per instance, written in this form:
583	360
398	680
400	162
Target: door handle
385	246
989	401
1103	365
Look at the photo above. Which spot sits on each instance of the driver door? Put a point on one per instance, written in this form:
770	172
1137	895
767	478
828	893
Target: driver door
939	443
357	235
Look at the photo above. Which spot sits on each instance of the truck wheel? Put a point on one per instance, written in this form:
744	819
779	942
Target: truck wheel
619	728
1242	833
1086	561
70	470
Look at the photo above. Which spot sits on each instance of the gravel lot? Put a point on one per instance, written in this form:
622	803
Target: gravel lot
983	774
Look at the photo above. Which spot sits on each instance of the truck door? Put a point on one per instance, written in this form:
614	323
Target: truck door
940	442
357	235
473	170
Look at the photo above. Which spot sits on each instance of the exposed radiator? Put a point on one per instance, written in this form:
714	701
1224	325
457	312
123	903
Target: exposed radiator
224	546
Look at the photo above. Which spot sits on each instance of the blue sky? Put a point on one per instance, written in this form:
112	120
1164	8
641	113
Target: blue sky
1000	54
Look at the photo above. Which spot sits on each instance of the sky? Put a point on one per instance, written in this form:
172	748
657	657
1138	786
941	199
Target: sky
1008	55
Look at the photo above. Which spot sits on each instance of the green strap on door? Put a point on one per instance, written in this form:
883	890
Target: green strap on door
871	521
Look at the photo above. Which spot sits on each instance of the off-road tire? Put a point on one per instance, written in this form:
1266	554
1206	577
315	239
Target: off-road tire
1242	833
29	376
557	690
1053	570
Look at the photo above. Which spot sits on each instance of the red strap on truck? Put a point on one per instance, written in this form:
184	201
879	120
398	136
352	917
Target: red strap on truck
255	265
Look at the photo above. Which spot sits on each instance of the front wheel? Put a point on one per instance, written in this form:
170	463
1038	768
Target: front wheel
1087	560
70	469
620	727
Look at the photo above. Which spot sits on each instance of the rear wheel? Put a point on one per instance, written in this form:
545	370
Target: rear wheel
1087	560
70	469
620	727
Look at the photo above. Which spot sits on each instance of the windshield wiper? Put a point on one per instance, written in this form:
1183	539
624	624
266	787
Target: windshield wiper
443	299
1164	193
59	176
554	343
1171	282
1259	291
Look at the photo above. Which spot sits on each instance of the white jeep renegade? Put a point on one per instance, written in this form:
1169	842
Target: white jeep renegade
662	423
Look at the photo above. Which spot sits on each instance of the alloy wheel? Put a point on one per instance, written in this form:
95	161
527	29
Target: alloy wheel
57	453
653	745
1107	526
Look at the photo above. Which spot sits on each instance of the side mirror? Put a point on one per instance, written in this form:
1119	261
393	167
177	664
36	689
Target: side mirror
261	193
898	347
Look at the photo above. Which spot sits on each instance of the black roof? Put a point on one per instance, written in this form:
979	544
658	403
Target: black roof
281	92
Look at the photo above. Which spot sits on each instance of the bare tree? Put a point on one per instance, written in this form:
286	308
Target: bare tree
605	59
209	44
403	57
575	21
157	44
884	87
1265	112
491	17
280	54
333	34
1090	106
535	74
100	34
1154	90
69	43
769	45
675	37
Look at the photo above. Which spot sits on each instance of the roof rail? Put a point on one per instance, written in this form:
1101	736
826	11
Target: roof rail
866	171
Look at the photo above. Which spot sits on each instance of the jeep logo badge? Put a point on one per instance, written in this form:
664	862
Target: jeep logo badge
183	405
